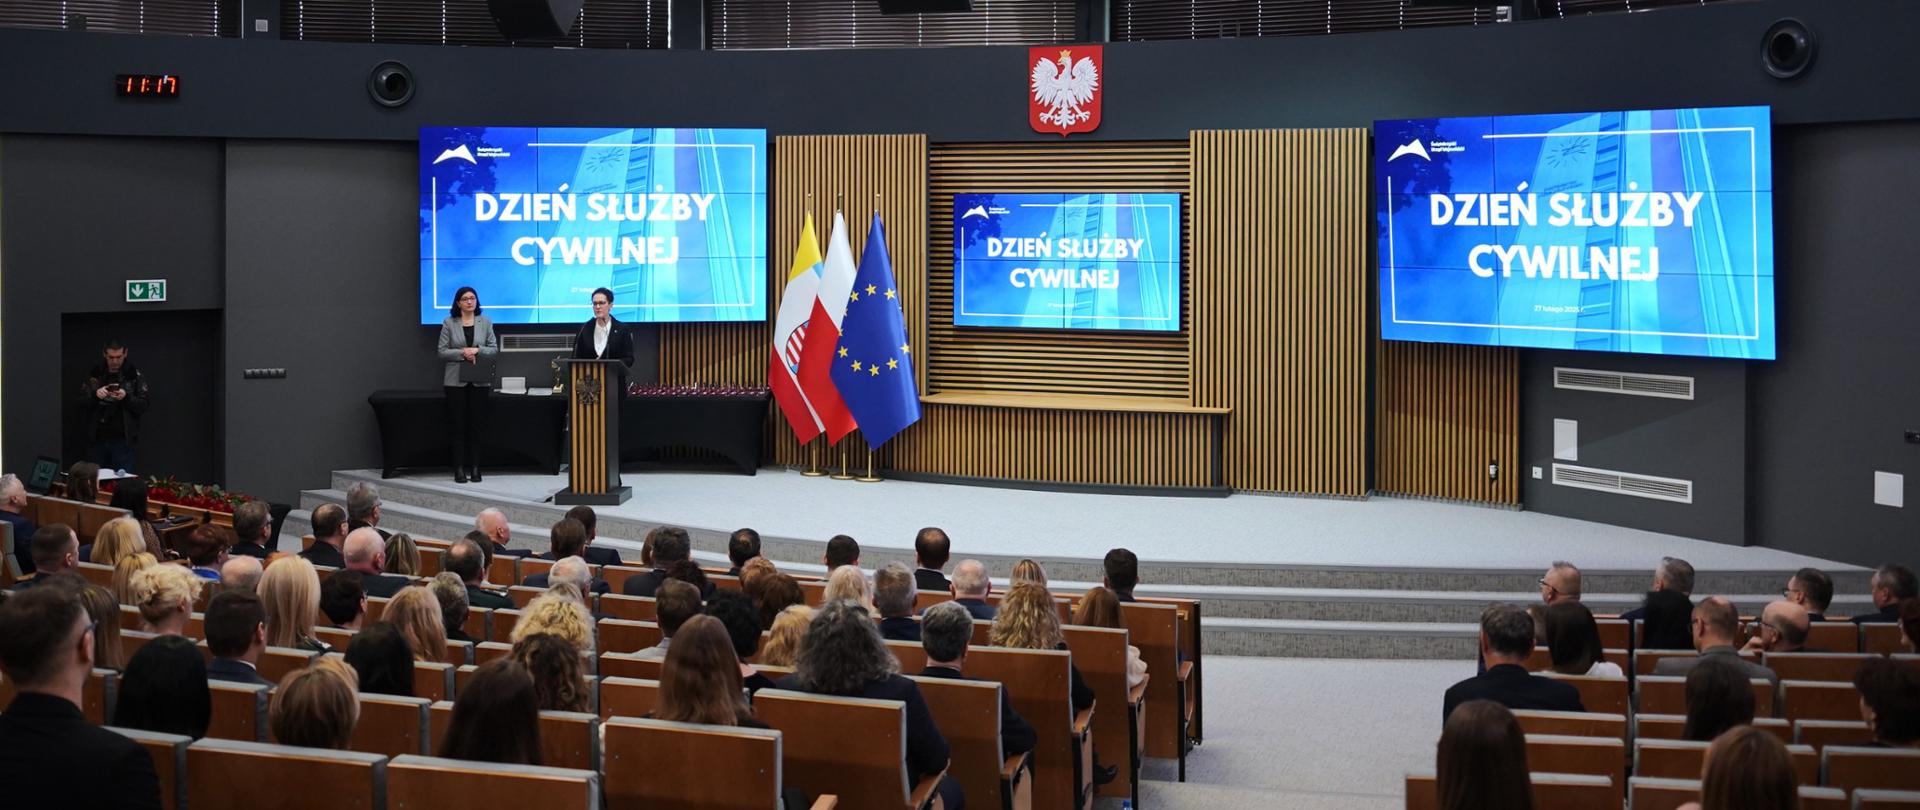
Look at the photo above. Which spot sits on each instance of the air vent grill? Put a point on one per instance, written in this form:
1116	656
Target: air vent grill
536	343
1640	486
1619	382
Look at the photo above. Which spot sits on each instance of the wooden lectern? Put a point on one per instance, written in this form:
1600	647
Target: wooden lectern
594	393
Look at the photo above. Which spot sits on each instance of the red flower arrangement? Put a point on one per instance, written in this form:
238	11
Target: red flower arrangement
198	496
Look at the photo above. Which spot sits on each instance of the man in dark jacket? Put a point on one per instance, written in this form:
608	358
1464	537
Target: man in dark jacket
1506	639
114	395
945	630
236	628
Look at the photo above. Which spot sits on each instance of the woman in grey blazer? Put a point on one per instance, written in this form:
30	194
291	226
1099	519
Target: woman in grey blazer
466	337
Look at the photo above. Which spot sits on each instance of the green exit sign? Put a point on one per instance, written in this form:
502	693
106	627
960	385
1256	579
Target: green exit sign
146	289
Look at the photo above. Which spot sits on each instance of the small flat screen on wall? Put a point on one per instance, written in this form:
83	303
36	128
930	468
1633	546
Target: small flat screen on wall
1646	231
1067	261
673	221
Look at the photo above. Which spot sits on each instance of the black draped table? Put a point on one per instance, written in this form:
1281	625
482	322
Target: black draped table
530	431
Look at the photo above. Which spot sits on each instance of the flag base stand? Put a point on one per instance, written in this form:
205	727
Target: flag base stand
843	475
813	463
869	478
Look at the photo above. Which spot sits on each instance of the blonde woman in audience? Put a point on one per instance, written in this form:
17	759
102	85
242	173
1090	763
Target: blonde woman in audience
849	582
1028	620
104	610
317	707
560	612
1101	608
416	613
1028	571
119	539
123	572
559	677
290	590
403	555
164	594
783	641
1747	769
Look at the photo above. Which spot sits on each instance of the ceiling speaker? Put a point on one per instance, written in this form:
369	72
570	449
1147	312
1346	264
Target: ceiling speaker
1787	49
390	84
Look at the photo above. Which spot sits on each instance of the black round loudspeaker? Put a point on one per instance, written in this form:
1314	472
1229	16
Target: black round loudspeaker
390	84
1787	49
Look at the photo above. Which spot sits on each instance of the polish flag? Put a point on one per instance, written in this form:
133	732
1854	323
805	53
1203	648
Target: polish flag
823	336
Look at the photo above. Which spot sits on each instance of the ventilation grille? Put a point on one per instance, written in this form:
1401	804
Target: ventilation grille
1619	483
1621	382
536	343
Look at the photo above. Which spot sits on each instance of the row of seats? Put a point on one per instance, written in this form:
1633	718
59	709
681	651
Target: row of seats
1815	733
1666	694
1836	636
1560	791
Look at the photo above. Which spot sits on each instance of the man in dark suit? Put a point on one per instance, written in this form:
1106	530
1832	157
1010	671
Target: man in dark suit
1506	639
366	553
253	525
493	523
566	539
671	544
236	628
46	651
1716	627
55	550
1673	574
13	507
603	338
1891	584
329	536
970	586
595	555
742	547
1122	573
931	550
945	631
893	593
1812	589
466	559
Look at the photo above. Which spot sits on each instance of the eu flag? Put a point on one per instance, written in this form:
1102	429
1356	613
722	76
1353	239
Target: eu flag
873	365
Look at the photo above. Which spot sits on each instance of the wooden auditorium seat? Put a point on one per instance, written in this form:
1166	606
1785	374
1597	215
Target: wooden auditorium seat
1836	637
1683	759
1819	700
814	592
1660	793
489	651
1155	629
459	653
912	656
1850	768
853	748
1038	685
1875	799
1822	733
429	558
477	623
523	595
567	739
129	618
335	637
1882	638
654	763
132	640
1101	655
1599	756
617	575
631	608
1815	666
226	773
1551	791
627	697
1644	661
628	665
725	581
96	574
433	680
96	695
500	625
1572	724
431	782
622	635
502	571
376	608
1597	693
279	662
968	714
391	725
524	567
169	752
239	711
1667	694
1674	727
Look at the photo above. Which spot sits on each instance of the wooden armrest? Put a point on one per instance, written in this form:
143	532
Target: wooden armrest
827	802
923	792
1186	669
1139	693
1010	772
1083	721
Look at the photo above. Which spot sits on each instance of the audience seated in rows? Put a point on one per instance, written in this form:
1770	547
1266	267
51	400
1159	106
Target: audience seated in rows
1890	702
1122	573
343	600
365	554
1748	769
595	555
363	508
452	595
290	589
492	524
849	582
782	647
1100	607
123	572
316	706
737	614
1812	590
1028	620
844	655
1672	575
670	545
467	558
1506	639
416	614
382	660
402	556
1482	761
743	546
13	508
1783	627
1716	626
206	549
253	530
329	536
1561	583
1027	571
893	592
559	678
1719	698
970	587
1573	640
241	573
1891	584
104	611
46	653
947	630
568	540
841	550
774	593
674	603
561	611
164	595
700	681
691	573
55	550
931	550
236	629
116	540
165	689
496	717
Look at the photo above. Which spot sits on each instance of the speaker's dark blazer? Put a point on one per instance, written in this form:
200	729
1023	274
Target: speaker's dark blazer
619	346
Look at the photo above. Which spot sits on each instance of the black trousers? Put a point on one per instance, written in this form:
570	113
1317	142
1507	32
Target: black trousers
466	421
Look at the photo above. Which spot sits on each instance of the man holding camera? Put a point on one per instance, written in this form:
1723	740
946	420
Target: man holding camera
115	396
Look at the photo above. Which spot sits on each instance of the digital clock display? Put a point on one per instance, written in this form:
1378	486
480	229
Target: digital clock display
147	85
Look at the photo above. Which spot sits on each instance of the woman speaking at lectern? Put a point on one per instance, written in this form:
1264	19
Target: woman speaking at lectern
469	347
604	338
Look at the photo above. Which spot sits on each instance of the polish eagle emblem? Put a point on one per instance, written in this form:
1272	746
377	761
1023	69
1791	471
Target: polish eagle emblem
1066	91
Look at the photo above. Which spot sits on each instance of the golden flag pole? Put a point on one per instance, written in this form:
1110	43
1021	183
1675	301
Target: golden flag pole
869	478
843	475
813	461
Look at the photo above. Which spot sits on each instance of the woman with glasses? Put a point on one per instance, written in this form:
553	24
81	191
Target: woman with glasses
603	338
467	346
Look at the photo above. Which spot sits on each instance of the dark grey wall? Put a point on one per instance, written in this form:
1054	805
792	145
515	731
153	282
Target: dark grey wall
81	215
179	353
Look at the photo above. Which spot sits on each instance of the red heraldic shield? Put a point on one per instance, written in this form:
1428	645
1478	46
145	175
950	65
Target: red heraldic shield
1064	83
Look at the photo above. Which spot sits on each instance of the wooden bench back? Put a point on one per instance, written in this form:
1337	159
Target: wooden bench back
1839	637
1654	793
1597	693
624	635
97	574
815	592
627	697
335	637
1573	724
489	651
1683	759
225	773
1819	700
478	620
617	575
627	665
1101	655
1815	666
1558	791
567	739
391	725
239	711
279	662
169	752
429	559
1871	799
912	656
1667	694
132	640
1040	689
1821	733
1882	638
631	608
1155	629
500	625
503	571
854	748
529	566
431	783
968	715
1599	756
1674	727
376	608
433	680
523	595
1644	661
1849	767
653	763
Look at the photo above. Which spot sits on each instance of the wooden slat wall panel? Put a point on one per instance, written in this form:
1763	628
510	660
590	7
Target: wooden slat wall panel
1443	412
1280	277
1073	447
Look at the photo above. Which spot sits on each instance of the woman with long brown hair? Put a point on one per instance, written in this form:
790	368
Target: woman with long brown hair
1101	608
104	610
1748	769
700	682
496	718
1482	761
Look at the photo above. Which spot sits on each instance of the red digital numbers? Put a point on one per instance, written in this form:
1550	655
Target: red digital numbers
147	85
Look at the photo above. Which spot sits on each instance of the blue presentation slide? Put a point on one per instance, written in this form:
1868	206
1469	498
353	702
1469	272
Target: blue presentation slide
673	221
1647	231
1067	261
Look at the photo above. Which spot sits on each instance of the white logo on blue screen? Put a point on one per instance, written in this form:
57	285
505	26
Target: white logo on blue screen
983	212
1421	150
460	152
